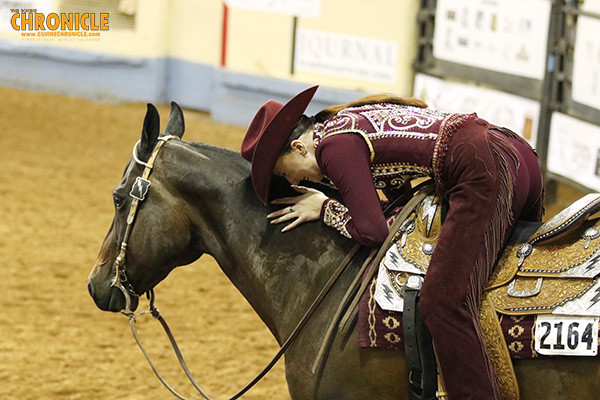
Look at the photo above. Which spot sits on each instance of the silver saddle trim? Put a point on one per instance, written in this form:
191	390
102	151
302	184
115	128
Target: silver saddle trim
574	214
588	304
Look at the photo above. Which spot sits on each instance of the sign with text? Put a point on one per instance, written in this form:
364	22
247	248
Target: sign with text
351	56
573	150
506	36
586	59
514	112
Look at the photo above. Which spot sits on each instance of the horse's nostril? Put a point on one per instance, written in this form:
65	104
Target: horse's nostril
89	287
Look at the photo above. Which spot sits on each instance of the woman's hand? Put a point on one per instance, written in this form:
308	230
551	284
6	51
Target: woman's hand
306	207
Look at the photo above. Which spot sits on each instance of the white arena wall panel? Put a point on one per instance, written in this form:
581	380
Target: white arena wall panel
211	56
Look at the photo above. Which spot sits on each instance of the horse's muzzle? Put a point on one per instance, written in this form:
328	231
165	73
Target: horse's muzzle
109	298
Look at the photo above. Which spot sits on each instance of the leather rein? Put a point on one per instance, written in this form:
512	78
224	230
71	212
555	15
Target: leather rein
121	281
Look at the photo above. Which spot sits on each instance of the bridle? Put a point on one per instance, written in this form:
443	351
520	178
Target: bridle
138	193
121	281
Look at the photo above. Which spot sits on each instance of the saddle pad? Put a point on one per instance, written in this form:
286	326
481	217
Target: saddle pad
378	328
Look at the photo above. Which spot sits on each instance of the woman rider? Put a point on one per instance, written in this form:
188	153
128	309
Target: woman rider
489	176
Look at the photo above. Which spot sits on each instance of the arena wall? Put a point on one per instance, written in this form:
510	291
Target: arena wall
216	56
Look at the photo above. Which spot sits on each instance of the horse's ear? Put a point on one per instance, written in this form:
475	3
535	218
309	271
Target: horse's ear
150	132
176	124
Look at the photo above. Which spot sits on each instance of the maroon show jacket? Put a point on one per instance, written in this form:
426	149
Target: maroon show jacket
379	146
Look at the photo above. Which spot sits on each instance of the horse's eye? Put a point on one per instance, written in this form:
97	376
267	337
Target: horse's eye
118	200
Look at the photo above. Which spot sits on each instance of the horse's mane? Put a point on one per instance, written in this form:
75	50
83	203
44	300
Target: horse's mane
279	186
200	147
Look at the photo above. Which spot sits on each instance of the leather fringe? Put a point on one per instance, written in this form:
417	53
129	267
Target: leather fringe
494	237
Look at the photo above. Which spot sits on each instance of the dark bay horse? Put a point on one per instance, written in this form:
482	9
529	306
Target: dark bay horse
200	201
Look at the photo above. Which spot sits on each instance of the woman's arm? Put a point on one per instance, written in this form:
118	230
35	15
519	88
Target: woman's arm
345	160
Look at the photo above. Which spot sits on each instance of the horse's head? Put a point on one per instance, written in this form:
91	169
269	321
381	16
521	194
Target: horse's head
149	234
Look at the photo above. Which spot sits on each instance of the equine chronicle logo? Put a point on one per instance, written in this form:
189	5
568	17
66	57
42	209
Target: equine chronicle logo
35	25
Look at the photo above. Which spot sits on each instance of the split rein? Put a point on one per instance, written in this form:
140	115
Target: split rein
121	281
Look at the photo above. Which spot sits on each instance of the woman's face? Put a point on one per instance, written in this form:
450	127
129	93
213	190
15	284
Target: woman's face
298	165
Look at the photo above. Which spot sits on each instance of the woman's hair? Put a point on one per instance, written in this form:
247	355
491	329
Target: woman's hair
304	123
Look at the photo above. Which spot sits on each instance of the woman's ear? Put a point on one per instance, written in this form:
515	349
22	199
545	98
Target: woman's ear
299	146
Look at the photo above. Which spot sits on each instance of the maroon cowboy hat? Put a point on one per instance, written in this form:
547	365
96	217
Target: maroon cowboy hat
267	134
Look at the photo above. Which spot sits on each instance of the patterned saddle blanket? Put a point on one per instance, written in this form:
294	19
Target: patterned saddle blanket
379	328
546	270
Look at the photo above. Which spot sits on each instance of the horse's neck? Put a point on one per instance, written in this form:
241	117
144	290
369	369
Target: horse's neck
278	273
